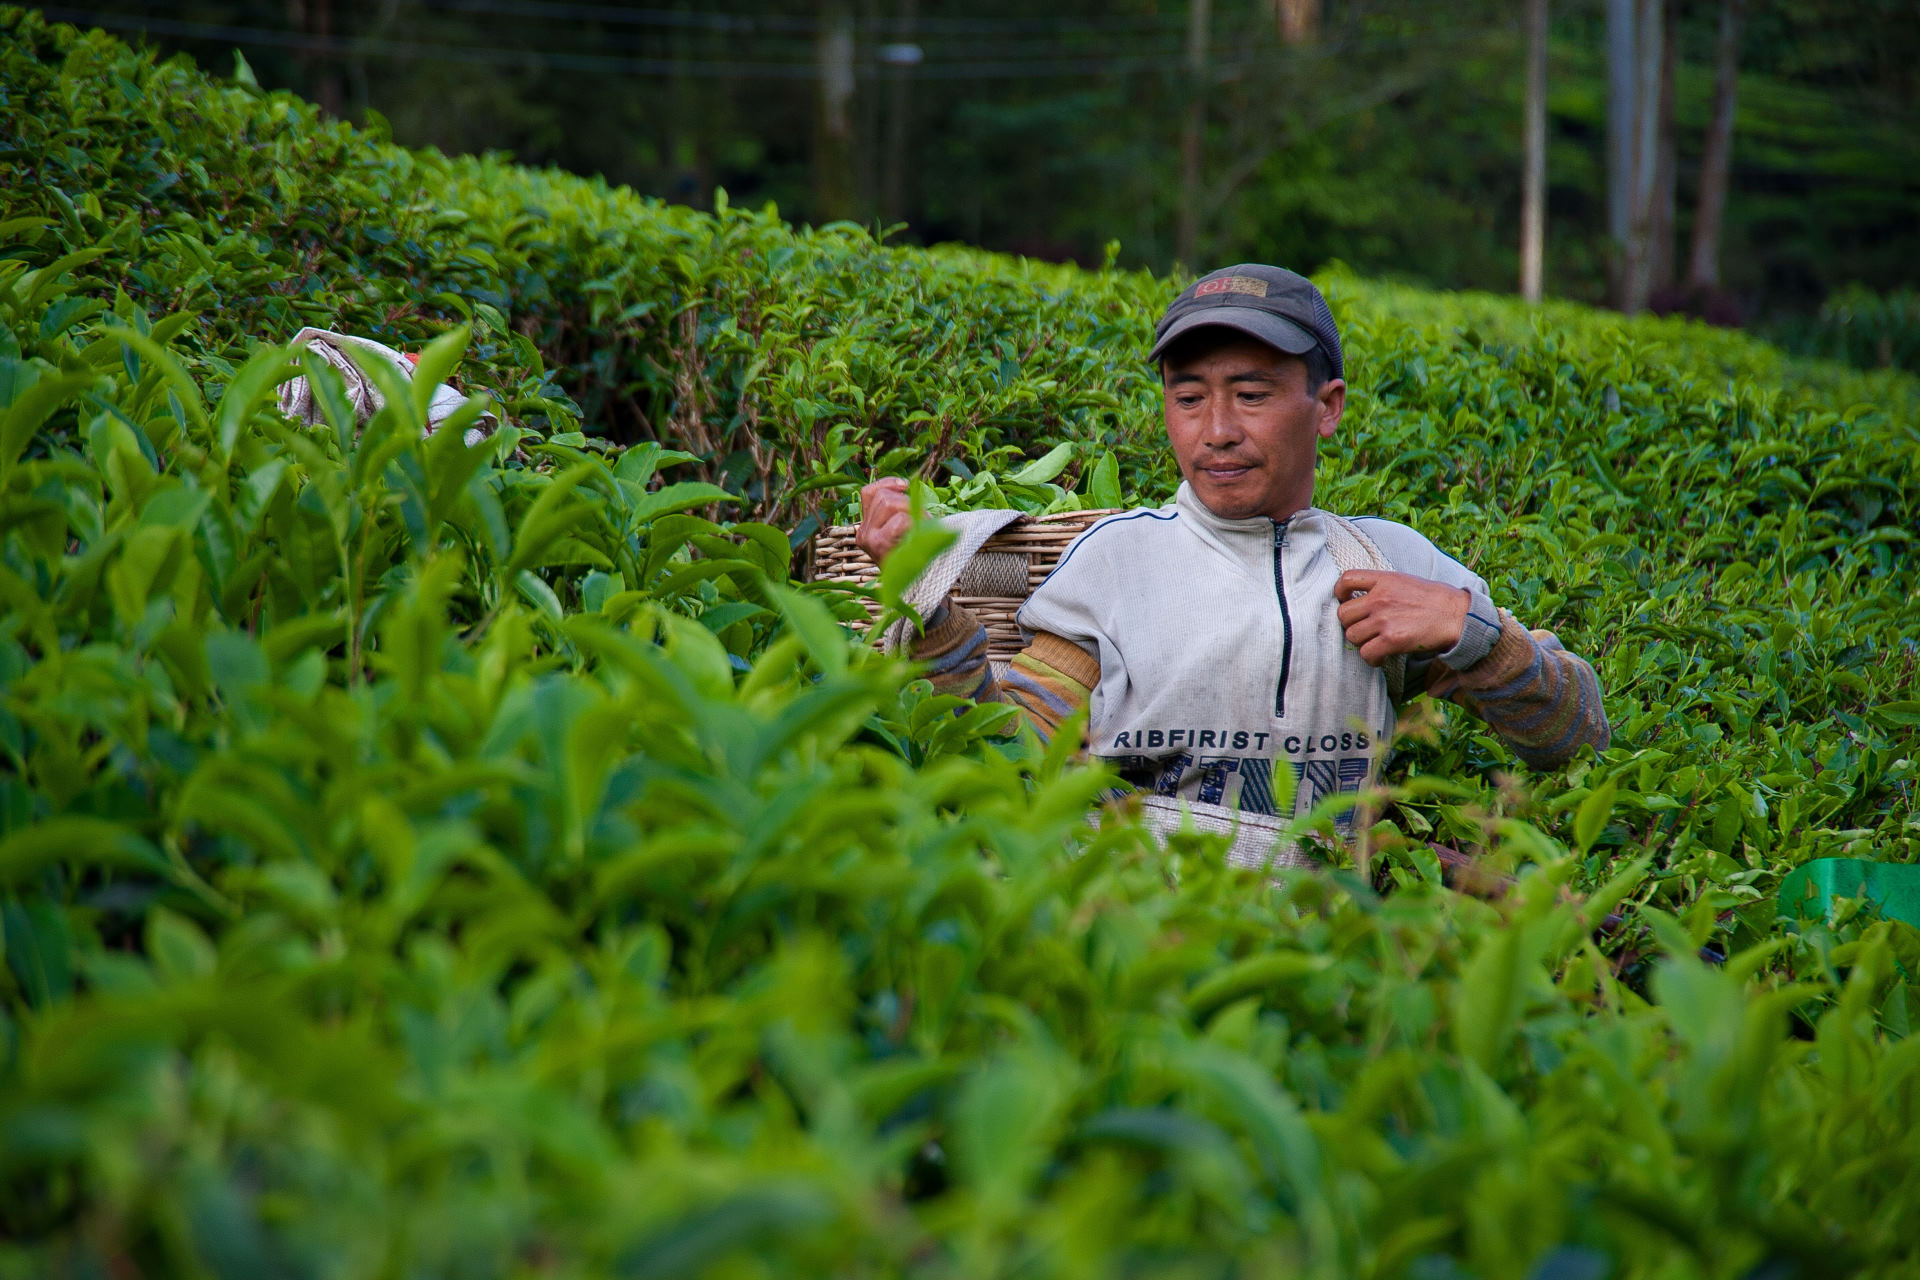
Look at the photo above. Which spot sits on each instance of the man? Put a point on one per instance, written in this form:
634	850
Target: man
1240	627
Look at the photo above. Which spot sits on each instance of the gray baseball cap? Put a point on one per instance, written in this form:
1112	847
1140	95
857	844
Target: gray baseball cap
1280	308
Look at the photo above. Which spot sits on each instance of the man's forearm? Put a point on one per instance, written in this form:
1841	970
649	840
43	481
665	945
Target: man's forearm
1543	701
1048	681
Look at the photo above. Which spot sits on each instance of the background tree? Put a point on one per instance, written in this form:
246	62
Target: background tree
1637	51
1533	204
1716	161
1622	97
1299	20
835	195
1375	132
1662	197
900	56
1186	241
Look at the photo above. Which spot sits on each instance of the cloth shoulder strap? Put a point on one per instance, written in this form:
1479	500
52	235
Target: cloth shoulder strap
971	530
1351	548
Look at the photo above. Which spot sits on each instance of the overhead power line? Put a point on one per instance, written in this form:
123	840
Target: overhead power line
1162	33
409	50
1052	62
751	22
788	37
435	51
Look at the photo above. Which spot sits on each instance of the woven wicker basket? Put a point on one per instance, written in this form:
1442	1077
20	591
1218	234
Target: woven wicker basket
994	586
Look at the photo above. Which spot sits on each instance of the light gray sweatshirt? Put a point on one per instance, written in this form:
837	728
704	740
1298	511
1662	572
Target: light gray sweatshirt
1220	650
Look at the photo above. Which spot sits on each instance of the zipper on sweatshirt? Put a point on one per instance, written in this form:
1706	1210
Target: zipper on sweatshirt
1286	619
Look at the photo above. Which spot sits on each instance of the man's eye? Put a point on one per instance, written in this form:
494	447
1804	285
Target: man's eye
1186	402
1253	397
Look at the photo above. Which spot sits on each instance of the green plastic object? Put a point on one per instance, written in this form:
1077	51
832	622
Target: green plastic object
1809	891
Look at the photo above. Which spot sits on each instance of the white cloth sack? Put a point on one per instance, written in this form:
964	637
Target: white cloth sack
1257	838
1256	841
298	401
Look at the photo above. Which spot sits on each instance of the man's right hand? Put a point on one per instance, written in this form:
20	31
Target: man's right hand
1387	613
886	513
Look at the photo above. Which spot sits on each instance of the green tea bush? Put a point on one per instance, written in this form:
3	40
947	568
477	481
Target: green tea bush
418	859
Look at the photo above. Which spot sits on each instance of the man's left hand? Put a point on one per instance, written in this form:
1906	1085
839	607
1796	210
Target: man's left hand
1389	613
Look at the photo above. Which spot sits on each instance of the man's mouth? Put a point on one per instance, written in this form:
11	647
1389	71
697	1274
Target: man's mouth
1225	473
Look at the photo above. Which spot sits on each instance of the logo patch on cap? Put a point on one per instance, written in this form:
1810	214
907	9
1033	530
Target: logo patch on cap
1232	284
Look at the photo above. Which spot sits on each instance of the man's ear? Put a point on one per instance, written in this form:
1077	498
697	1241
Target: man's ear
1333	402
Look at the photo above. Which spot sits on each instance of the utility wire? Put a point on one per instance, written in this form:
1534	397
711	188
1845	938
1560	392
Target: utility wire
803	64
423	51
1034	31
750	22
775	36
1042	65
430	51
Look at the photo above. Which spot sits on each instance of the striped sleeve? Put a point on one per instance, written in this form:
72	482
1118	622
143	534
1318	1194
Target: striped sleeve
1048	681
954	647
1543	701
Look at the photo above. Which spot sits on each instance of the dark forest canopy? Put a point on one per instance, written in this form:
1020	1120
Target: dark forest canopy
1384	133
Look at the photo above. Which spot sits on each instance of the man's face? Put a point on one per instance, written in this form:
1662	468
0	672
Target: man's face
1244	427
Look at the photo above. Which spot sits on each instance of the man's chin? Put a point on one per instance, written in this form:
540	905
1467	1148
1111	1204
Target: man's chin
1228	501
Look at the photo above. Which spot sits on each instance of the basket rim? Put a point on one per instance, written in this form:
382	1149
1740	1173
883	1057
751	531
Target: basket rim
1089	514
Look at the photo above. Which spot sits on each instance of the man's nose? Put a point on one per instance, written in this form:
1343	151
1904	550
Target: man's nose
1219	426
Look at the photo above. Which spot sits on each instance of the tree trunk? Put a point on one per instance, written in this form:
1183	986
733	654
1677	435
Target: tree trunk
314	19
1533	196
893	196
1299	20
1186	239
677	175
1703	270
329	94
1621	81
1648	40
1660	223
833	161
867	143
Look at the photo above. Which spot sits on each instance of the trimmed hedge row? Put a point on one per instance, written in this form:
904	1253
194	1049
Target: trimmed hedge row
424	860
